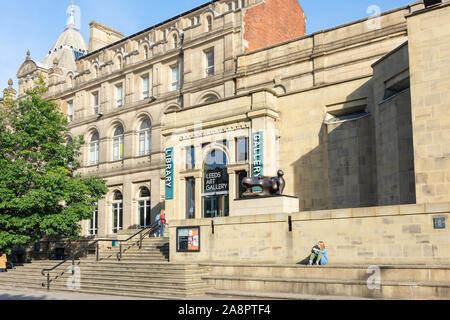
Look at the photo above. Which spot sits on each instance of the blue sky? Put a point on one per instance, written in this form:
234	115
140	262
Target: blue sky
36	25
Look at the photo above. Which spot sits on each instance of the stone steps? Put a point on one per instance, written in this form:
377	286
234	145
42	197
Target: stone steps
248	295
142	273
128	293
397	282
115	283
350	272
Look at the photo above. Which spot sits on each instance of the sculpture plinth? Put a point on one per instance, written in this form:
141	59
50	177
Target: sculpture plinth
268	201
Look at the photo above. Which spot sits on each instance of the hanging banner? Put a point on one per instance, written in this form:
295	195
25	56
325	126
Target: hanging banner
169	174
257	152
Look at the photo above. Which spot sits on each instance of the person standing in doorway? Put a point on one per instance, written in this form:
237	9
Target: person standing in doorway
3	261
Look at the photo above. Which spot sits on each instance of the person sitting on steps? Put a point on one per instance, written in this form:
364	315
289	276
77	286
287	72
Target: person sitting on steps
318	254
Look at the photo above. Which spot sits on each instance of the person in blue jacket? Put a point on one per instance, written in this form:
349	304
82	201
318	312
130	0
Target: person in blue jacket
318	254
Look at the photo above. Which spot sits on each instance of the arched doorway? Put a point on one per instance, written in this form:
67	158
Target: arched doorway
144	208
117	212
216	187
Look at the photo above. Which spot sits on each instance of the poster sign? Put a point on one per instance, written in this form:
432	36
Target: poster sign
169	174
439	223
188	239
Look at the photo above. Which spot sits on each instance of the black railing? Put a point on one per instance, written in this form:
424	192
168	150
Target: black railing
141	233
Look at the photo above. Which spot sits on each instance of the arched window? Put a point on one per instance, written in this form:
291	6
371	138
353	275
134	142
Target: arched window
94	149
174	41
145	138
95	72
69	140
119	63
210	98
117	212
144	208
69	82
145	53
216	185
208	23
118	138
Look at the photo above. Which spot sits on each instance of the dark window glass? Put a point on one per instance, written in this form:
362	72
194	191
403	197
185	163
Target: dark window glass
240	176
190	198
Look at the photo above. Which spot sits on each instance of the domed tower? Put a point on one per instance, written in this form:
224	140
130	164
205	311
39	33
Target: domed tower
69	46
60	60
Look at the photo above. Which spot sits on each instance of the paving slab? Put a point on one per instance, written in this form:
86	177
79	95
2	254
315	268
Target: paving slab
41	295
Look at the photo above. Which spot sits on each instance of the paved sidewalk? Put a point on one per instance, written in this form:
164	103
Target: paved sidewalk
41	295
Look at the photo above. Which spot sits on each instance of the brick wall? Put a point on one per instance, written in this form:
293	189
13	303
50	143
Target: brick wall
272	22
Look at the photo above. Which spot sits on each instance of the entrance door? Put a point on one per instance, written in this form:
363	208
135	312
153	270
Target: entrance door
216	206
211	207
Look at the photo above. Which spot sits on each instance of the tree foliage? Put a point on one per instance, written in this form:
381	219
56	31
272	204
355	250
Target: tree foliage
40	193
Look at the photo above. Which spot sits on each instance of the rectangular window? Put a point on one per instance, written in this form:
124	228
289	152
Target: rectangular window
190	207
175	78
241	150
119	96
118	148
240	175
146	87
190	158
95	102
209	70
70	111
93	223
94	153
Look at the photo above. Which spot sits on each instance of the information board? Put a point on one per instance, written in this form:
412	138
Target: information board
188	239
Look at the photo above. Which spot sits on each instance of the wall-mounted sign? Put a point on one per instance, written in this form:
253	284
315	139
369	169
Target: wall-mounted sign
257	154
188	239
216	180
439	223
169	174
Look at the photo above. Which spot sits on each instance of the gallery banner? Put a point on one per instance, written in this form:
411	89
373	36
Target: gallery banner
257	154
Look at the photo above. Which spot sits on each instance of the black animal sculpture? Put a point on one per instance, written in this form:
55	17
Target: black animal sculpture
271	186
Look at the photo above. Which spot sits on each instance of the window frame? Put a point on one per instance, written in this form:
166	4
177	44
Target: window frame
175	85
247	146
117	205
188	214
145	89
117	100
94	148
96	104
147	134
209	68
70	111
118	142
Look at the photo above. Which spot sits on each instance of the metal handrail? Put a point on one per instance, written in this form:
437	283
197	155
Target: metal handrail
149	230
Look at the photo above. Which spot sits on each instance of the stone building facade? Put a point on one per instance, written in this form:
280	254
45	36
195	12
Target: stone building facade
176	115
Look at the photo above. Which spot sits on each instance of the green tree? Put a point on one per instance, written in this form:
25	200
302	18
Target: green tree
40	194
